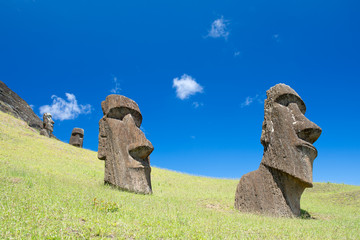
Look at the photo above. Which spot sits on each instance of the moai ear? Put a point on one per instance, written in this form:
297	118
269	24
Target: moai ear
263	138
102	140
265	133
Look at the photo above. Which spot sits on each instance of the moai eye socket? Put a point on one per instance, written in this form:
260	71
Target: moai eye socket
286	99
117	107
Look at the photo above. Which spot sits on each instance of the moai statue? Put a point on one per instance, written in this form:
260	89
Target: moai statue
123	145
286	167
77	137
48	125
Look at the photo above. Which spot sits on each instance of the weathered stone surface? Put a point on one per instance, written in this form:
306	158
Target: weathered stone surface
286	167
123	145
77	137
11	103
48	125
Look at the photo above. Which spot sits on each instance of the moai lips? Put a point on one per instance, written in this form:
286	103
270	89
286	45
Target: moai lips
286	168
123	145
77	137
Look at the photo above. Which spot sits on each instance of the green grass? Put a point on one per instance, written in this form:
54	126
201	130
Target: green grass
51	190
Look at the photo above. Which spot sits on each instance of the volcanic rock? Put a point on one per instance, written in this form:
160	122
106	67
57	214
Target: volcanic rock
11	103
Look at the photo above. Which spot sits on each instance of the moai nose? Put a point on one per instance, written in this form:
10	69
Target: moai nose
305	129
141	151
310	133
77	138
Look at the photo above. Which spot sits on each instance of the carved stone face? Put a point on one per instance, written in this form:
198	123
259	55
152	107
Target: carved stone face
48	123
287	135
123	145
77	137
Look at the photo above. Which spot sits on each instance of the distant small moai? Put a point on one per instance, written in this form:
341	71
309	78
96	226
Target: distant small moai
123	145
77	137
48	125
286	167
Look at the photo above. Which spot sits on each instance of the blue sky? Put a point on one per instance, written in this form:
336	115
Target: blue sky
222	57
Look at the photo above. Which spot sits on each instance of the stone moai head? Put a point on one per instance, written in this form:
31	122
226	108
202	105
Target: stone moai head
77	137
123	145
48	125
275	188
287	135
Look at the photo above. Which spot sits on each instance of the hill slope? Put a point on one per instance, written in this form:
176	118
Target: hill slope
50	189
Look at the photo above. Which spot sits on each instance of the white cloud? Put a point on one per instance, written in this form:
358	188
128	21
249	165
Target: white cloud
32	106
117	88
61	109
186	86
249	100
219	28
237	53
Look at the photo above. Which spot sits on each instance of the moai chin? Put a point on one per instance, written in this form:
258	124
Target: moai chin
48	125
286	167
77	137
123	145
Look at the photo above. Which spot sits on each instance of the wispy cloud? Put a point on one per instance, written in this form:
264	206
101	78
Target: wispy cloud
219	28
237	53
276	37
32	106
197	104
116	88
143	129
249	100
61	109
186	86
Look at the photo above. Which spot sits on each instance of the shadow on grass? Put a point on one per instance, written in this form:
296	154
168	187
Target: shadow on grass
305	214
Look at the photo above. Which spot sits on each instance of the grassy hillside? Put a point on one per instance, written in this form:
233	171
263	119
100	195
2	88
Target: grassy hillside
52	190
